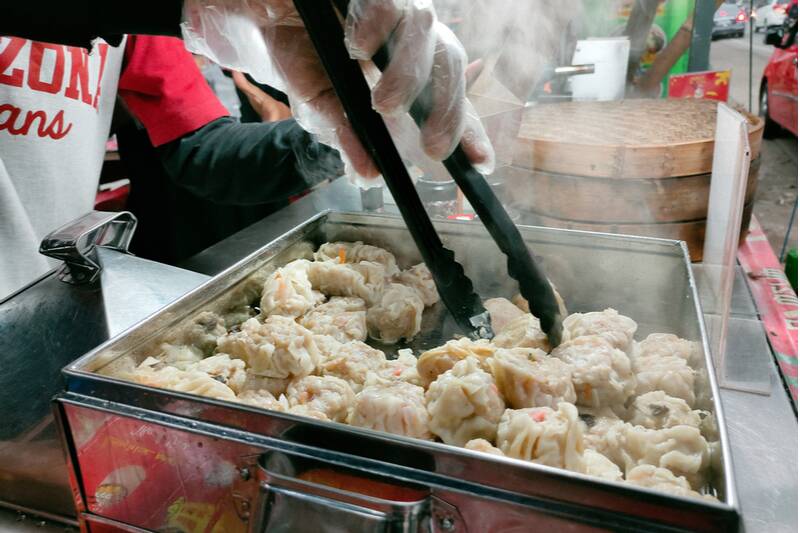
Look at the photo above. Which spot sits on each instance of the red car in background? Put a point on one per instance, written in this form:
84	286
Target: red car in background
778	96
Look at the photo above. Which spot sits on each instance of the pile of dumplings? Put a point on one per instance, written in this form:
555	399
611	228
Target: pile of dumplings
600	404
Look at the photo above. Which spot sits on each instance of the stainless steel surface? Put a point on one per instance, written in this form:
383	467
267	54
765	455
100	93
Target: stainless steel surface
648	279
75	242
574	70
291	500
43	328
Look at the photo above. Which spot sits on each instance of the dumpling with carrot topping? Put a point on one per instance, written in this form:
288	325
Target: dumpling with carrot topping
601	374
363	280
617	329
403	368
397	408
288	291
442	358
543	435
356	252
464	404
397	315
530	378
343	318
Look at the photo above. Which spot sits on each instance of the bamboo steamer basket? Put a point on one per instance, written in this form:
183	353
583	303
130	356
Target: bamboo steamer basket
640	167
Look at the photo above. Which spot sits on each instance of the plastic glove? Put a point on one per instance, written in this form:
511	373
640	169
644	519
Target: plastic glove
267	39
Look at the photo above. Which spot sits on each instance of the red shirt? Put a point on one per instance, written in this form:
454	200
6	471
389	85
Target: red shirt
165	90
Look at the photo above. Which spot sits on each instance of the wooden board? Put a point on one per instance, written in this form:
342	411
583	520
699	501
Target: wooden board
640	138
604	200
693	232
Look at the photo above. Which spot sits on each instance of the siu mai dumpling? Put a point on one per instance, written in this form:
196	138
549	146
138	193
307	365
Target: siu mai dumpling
662	479
397	408
543	435
356	252
363	280
353	362
343	318
617	329
278	348
665	344
397	315
525	331
325	394
530	378
442	358
464	404
502	313
668	373
598	465
680	449
288	291
601	374
658	410
420	279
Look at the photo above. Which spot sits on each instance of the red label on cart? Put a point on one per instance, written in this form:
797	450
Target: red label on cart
711	85
775	299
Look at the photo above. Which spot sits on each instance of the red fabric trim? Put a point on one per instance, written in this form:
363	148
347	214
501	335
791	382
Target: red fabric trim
165	90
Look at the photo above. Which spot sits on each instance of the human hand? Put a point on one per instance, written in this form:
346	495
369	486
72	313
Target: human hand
423	51
268	108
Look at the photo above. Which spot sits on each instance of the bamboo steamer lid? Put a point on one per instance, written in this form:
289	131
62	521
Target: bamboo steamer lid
640	138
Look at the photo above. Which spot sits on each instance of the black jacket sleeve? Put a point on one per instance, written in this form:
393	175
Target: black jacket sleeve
78	22
228	162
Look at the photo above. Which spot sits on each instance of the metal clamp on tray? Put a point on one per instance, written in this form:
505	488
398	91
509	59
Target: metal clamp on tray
75	242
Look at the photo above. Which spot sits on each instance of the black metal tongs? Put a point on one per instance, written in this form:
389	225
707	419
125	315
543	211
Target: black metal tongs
455	288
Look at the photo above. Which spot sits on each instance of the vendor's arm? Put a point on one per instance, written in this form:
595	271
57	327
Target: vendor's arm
204	150
78	22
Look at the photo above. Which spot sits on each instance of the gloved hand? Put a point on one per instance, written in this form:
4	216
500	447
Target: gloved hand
267	39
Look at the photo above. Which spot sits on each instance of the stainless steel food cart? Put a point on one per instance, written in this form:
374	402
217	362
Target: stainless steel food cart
253	462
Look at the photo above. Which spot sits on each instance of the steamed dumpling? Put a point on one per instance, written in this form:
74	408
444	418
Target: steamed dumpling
397	408
605	435
404	368
442	358
363	280
356	252
325	394
657	410
663	480
601	373
153	373
664	344
420	279
203	331
667	373
598	465
544	436
278	348
483	445
502	313
221	367
529	378
681	449
288	291
397	315
525	331
353	362
343	318
263	399
464	404
617	329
